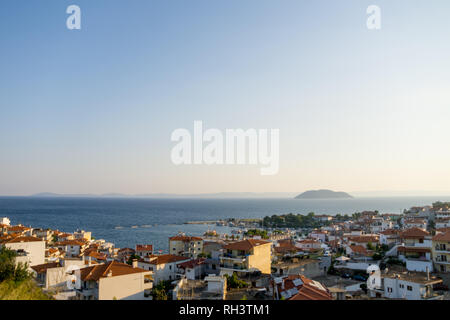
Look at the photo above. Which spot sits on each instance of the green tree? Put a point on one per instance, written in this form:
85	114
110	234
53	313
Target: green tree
132	257
234	282
9	270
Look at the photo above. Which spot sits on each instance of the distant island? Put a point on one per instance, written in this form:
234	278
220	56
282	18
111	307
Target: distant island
323	194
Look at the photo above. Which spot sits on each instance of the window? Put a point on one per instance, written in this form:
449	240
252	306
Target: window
409	288
402	286
170	267
389	290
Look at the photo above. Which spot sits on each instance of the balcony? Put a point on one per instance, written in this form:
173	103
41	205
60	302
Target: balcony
442	249
87	292
227	256
240	268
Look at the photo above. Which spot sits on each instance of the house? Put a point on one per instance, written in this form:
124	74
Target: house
17	230
284	248
5	221
363	240
53	254
62	236
143	250
441	251
246	256
114	281
46	235
442	223
192	269
72	248
308	245
124	254
82	235
299	287
30	250
416	249
185	246
420	223
407	285
319	235
163	267
56	275
323	218
308	267
357	251
390	237
211	288
95	255
213	248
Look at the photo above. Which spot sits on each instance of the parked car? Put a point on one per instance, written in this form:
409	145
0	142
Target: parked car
346	276
359	277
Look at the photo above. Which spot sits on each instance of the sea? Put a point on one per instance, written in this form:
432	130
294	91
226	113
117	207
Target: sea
130	221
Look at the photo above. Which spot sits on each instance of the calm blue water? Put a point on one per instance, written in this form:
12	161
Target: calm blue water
157	219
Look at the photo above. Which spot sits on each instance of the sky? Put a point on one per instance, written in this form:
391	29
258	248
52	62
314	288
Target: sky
93	110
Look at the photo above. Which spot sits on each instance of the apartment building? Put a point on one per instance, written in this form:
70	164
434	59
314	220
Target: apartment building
416	249
30	250
186	246
441	251
144	250
246	256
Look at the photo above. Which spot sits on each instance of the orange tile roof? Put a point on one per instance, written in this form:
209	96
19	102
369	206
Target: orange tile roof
445	236
96	255
414	233
191	263
363	238
24	239
41	268
359	249
165	258
245	245
144	247
94	273
70	243
390	232
307	290
17	228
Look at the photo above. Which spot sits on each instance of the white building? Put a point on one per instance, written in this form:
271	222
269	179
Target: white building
408	285
5	221
163	267
30	250
114	281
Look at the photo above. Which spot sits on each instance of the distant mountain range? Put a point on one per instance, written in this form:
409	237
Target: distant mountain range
311	194
171	195
323	194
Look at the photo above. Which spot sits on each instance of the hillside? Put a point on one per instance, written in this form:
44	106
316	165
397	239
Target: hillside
323	194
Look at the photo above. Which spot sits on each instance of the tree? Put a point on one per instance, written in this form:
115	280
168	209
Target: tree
16	282
370	246
159	292
234	282
9	270
132	257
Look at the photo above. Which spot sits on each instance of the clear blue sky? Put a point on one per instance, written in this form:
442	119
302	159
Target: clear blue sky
91	111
